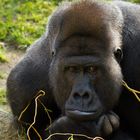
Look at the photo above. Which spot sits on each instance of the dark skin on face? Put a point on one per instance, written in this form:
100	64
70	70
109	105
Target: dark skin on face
83	93
81	72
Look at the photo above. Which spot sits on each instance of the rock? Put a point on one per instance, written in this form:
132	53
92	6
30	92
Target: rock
7	131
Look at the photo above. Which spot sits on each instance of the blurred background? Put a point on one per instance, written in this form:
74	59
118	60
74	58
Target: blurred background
21	23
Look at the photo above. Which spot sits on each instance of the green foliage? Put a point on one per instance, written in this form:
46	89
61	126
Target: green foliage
3	58
135	1
2	75
2	96
23	21
57	1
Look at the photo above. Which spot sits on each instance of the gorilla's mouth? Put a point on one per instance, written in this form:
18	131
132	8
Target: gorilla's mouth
82	115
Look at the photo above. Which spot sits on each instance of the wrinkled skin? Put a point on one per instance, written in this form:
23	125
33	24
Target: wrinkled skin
80	63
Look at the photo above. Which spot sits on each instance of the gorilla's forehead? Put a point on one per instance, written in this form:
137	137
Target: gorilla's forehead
81	60
88	18
84	45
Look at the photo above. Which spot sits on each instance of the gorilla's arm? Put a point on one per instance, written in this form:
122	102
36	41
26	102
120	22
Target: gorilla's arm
103	126
25	78
28	77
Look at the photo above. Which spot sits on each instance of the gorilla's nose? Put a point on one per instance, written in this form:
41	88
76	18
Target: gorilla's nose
83	95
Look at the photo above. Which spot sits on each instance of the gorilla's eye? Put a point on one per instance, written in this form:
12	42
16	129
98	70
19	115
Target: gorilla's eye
118	54
73	69
91	69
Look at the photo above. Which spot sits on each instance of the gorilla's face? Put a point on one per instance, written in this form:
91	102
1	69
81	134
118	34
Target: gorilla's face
85	74
85	77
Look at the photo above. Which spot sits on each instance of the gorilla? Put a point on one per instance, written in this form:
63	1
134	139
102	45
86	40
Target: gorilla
89	47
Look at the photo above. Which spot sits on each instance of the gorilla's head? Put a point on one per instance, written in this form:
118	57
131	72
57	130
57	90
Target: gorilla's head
85	42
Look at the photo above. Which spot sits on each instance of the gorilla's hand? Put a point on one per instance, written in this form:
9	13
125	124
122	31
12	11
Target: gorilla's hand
104	126
108	123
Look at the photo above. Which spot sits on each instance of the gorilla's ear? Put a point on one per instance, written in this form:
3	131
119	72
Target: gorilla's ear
118	54
53	53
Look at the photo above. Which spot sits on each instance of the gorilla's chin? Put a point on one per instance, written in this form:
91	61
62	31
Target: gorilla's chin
82	115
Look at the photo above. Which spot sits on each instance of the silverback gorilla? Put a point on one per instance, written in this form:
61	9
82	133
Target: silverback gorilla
78	62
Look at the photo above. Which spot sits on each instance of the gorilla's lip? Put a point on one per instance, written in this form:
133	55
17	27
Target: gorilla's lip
82	115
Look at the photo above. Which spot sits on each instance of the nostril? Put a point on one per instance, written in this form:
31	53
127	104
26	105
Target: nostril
76	95
86	95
